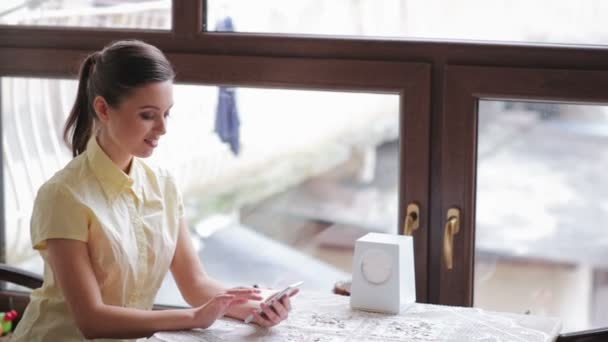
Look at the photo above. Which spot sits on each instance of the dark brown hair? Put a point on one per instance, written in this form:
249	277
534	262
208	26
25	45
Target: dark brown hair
112	73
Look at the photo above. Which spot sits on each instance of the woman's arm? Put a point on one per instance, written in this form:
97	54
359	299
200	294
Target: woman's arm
193	282
197	287
73	272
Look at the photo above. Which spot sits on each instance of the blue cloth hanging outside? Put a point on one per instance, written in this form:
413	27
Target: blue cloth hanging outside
227	122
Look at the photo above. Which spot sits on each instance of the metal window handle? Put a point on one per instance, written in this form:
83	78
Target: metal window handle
452	227
412	219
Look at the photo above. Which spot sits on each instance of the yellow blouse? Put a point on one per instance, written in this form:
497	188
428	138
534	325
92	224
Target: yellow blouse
130	224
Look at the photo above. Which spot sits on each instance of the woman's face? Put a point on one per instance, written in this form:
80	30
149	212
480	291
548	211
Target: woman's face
134	128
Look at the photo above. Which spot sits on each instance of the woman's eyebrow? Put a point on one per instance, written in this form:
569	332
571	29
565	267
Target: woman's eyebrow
149	106
153	107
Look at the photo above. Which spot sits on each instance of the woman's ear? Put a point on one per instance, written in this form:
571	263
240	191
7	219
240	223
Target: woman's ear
101	108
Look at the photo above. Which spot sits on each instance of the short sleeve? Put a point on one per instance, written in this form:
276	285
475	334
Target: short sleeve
58	214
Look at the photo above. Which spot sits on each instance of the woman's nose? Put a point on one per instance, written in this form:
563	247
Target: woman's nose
161	126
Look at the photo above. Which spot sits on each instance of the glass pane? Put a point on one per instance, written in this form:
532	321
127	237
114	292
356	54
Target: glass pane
33	113
309	173
541	240
135	14
549	21
280	198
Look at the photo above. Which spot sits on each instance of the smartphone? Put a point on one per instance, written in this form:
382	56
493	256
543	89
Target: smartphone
278	295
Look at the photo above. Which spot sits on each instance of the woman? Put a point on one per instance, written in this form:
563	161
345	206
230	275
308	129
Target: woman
109	227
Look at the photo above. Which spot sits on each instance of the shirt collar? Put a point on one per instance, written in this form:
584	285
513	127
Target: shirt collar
112	179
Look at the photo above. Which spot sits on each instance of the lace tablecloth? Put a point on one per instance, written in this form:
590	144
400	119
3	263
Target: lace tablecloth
329	318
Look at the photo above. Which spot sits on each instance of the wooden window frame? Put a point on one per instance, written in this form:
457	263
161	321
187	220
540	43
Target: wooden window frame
410	81
247	59
465	86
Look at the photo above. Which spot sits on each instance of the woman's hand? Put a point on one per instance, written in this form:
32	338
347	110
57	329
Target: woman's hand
217	306
273	313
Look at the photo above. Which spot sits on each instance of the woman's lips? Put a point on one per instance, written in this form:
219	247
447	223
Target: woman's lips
151	142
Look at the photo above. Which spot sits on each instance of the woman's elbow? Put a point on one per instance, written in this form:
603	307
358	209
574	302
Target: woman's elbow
89	330
89	325
89	335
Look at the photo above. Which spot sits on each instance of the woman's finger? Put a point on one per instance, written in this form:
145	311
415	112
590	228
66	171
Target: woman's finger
286	303
238	301
252	297
252	294
261	321
243	291
280	309
272	316
224	297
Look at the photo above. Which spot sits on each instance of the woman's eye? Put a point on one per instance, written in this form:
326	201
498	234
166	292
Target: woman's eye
147	116
167	114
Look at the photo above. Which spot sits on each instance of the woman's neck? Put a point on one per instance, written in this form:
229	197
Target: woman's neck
116	154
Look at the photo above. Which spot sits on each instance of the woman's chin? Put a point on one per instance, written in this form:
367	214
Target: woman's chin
145	153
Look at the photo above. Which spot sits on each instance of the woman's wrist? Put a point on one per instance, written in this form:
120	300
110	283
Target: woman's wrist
191	318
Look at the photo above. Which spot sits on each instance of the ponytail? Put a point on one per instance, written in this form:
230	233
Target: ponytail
79	125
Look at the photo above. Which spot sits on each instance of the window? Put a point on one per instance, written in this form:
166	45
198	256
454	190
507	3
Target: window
562	21
438	111
132	14
540	204
520	162
286	193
